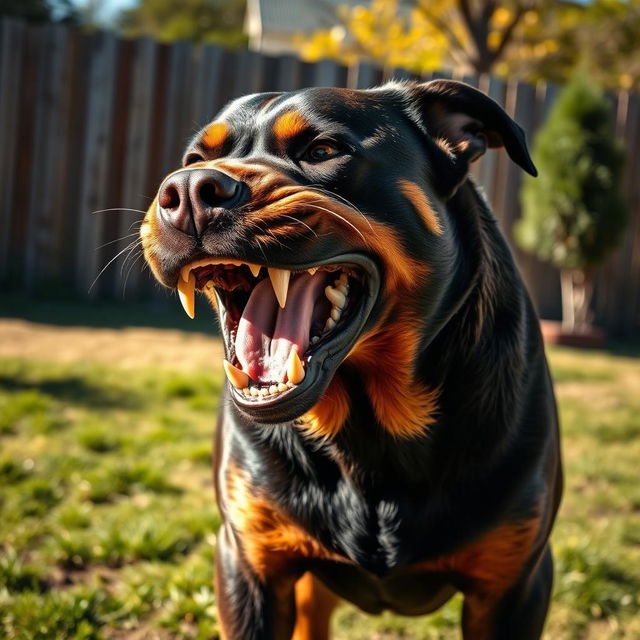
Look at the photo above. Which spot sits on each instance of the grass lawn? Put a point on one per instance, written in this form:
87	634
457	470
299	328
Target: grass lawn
108	521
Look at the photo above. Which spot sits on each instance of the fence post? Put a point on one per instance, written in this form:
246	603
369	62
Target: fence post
142	101
363	75
11	65
96	154
47	166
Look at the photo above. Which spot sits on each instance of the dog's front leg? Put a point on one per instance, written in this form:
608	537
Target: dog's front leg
248	607
519	614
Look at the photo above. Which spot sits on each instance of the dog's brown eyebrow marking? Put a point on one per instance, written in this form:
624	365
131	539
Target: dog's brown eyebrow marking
216	135
419	200
290	124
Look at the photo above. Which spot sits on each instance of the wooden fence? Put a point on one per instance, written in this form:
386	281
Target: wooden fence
90	122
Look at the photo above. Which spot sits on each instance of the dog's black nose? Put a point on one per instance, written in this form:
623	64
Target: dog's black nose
191	199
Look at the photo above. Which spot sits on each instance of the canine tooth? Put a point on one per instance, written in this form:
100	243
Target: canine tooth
238	378
273	389
254	392
282	386
185	272
280	283
312	270
255	269
329	324
337	298
295	368
335	314
186	293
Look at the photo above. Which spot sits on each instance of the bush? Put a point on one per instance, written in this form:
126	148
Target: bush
573	214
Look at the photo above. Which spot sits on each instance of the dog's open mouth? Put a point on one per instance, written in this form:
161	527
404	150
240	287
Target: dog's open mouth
283	328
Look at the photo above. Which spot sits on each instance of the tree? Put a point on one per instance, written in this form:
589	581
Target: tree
196	20
427	34
573	213
601	35
528	39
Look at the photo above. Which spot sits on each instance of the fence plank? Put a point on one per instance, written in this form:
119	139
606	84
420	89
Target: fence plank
142	102
363	75
48	165
326	74
178	126
207	78
12	43
93	194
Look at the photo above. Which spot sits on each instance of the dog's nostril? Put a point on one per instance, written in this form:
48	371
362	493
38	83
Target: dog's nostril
169	198
208	195
215	194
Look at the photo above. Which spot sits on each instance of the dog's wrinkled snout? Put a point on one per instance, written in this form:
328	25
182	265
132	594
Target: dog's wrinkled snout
190	200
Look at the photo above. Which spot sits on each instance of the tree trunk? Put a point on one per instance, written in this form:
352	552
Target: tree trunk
577	291
568	311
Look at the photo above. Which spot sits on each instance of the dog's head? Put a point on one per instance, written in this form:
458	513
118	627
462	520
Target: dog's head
316	224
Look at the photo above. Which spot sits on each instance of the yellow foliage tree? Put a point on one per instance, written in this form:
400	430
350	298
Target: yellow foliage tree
428	34
529	39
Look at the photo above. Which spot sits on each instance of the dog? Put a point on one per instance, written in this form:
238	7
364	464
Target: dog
388	434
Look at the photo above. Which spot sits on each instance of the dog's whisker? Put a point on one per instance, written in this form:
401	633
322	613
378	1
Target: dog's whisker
337	215
128	247
118	210
124	262
300	222
133	262
106	244
350	204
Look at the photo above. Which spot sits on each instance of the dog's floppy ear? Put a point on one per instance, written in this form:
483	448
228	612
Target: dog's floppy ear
467	121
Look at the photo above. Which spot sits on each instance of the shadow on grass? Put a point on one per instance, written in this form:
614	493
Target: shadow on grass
74	390
164	312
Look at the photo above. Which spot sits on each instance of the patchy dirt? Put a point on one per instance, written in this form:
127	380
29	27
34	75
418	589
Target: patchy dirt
127	348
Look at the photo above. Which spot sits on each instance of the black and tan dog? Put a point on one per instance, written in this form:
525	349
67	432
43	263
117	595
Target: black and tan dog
389	433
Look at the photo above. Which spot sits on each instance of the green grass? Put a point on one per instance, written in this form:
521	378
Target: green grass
108	517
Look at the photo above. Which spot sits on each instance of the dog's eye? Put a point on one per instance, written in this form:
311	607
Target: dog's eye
321	151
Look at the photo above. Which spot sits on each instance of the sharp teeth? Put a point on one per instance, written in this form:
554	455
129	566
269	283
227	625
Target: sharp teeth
186	293
185	272
313	270
239	379
254	268
295	368
280	283
329	324
282	386
336	297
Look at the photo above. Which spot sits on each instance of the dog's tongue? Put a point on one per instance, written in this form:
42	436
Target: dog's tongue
266	333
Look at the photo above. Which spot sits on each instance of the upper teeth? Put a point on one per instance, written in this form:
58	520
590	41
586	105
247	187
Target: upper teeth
280	283
279	280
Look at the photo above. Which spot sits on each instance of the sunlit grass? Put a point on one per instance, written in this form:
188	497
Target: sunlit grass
108	517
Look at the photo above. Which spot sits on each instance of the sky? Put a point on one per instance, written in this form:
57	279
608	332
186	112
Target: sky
107	8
